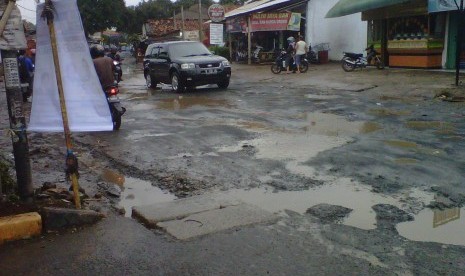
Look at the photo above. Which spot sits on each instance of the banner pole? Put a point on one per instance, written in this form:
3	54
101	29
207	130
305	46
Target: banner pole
71	159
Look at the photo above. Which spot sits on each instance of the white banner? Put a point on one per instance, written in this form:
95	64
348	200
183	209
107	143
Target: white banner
86	103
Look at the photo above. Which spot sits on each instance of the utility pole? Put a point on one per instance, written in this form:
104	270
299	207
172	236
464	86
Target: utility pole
16	114
200	22
182	22
459	41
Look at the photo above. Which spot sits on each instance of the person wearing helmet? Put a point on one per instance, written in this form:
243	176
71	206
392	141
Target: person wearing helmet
290	52
103	65
114	53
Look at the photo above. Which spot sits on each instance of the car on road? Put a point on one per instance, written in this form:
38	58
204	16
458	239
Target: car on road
184	64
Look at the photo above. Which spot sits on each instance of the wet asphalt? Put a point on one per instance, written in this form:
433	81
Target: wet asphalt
368	136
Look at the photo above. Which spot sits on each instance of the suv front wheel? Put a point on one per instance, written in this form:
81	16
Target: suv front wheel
223	84
176	83
150	82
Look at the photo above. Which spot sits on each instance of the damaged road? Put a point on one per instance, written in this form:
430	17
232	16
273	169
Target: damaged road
351	163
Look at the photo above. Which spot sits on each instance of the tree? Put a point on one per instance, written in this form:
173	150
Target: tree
98	15
232	2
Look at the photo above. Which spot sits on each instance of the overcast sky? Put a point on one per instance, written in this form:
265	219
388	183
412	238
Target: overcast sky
28	8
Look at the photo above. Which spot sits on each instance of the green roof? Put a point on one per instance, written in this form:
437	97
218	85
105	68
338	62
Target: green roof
346	7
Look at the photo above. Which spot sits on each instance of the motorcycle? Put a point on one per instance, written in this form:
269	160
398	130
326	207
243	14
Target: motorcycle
116	110
351	61
280	63
118	71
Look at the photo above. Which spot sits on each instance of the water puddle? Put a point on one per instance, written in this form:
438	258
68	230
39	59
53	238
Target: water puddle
321	97
135	192
322	132
140	134
414	146
442	226
383	112
341	192
183	102
423	125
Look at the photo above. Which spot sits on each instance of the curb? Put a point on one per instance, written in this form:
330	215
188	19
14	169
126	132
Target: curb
21	226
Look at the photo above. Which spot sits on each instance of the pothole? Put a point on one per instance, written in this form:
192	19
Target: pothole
343	192
442	226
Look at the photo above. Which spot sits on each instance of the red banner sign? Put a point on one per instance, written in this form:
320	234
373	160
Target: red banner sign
270	21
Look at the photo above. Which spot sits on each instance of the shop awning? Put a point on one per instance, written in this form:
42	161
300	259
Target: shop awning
261	5
346	7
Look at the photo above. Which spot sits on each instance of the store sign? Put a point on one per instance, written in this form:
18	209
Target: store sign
275	21
191	35
216	13
442	5
236	25
216	34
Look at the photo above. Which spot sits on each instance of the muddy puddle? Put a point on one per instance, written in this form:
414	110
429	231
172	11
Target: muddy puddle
341	192
184	102
442	226
321	132
135	192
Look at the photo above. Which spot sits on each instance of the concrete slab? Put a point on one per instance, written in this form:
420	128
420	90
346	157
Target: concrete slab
216	220
57	218
178	209
21	226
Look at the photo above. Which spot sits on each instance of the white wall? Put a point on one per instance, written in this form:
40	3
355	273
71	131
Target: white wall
344	34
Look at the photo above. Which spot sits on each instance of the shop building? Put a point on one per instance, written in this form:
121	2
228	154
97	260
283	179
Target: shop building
409	33
268	23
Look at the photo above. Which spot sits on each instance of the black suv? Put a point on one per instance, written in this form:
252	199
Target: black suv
184	64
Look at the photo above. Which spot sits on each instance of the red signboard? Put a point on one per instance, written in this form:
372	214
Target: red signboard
216	13
270	21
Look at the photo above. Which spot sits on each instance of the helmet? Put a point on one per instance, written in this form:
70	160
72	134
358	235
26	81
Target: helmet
291	39
113	49
97	50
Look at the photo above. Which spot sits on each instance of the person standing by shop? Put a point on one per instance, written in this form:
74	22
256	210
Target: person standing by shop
301	50
290	53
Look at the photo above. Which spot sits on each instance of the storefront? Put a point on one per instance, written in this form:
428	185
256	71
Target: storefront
257	32
412	33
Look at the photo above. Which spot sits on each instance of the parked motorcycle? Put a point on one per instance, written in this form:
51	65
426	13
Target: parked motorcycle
280	64
114	103
351	61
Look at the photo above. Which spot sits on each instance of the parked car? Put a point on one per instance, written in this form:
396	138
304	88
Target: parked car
184	64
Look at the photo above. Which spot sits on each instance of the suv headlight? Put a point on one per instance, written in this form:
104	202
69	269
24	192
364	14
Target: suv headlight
187	66
226	63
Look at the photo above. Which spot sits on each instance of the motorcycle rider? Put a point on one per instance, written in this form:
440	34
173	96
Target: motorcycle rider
290	52
116	57
103	65
301	50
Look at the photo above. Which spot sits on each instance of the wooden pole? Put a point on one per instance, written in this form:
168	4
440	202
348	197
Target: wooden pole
459	42
182	19
16	115
249	41
200	22
71	160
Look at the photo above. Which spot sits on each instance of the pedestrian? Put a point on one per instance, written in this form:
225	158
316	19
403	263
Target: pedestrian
301	50
290	52
26	72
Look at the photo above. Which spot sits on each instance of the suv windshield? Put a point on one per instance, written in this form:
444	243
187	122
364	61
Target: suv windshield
188	50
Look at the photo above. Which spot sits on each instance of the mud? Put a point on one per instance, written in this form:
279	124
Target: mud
287	143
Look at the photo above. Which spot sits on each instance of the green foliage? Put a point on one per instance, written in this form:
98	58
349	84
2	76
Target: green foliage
232	2
220	51
7	184
98	15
